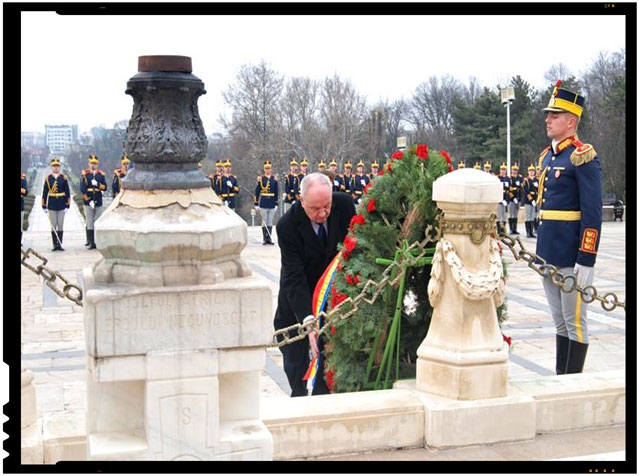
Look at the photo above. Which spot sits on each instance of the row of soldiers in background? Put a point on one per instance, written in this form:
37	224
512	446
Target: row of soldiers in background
224	183
56	197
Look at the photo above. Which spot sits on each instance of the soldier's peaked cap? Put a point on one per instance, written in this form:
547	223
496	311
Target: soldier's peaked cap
125	159
55	161
267	164
563	100
93	159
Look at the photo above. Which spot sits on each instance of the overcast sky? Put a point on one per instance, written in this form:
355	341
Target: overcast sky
75	68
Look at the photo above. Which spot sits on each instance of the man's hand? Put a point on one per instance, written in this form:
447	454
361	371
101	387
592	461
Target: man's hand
313	342
582	274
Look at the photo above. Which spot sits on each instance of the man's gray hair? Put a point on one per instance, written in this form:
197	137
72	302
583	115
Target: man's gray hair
312	179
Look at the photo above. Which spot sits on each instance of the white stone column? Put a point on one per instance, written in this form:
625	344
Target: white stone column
463	355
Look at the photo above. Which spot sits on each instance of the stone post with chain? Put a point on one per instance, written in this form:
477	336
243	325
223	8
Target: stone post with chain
176	327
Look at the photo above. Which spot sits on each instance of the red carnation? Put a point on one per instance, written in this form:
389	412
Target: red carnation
333	330
356	220
381	173
371	206
336	297
328	376
349	244
422	151
397	155
389	168
506	339
352	279
444	154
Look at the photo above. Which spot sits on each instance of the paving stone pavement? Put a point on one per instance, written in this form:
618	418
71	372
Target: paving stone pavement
53	345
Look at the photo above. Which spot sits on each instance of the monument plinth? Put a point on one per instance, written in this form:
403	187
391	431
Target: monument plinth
176	327
463	355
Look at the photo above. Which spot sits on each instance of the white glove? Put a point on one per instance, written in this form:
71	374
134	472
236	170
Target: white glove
582	274
256	207
335	182
229	184
363	183
45	211
515	200
275	209
92	205
533	202
504	202
94	182
66	210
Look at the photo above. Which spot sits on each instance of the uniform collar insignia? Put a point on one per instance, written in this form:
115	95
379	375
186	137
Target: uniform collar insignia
566	143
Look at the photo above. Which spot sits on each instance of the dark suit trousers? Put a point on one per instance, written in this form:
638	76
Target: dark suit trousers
295	357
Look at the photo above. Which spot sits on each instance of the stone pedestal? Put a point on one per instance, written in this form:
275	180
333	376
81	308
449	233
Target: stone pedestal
176	327
463	355
31	451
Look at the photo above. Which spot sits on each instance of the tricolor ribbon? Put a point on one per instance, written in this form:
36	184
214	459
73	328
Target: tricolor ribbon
318	304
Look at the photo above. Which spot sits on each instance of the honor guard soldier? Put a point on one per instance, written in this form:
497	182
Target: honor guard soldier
292	184
530	192
230	187
570	199
347	178
487	167
303	168
337	185
322	167
266	201
359	182
56	197
92	183
118	175
24	190
477	166
461	164
502	206
216	179
515	198
374	170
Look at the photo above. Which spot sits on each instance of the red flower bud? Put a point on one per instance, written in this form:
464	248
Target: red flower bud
352	279
336	297
371	206
389	168
349	245
328	376
422	151
333	330
397	155
356	220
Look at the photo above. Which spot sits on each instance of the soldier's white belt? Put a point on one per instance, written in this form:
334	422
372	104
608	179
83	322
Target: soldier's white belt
562	215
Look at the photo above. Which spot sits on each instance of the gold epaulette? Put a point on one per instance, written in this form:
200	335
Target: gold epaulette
100	172
583	154
542	154
84	171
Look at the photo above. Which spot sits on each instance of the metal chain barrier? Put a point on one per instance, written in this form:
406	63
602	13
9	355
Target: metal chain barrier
50	277
566	283
349	306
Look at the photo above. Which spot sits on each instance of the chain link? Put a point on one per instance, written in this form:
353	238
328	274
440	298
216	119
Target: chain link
342	310
566	283
50	277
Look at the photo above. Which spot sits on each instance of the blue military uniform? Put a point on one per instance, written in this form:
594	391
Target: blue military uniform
230	187
530	195
346	178
514	198
24	190
92	198
292	185
266	200
502	206
216	180
118	175
358	183
56	199
570	199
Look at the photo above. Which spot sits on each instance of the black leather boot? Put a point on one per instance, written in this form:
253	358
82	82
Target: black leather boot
536	222
270	242
562	350
264	235
55	241
92	237
88	243
515	226
60	235
576	357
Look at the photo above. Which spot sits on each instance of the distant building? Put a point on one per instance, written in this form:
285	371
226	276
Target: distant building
32	140
59	137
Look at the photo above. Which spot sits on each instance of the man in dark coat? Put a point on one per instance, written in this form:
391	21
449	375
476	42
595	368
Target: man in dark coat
308	235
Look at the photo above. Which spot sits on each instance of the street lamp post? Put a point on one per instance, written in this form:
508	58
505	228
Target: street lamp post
507	96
